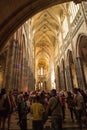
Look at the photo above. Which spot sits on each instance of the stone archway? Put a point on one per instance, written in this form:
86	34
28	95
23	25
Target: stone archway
81	55
71	72
13	14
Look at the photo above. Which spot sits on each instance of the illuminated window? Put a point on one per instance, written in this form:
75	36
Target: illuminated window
41	71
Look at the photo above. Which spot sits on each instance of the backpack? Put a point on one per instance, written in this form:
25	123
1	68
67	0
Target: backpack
6	104
5	107
1	102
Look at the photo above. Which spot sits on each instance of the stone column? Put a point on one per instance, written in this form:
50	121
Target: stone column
69	78
12	63
15	67
31	82
62	80
23	82
6	69
21	62
18	67
26	72
58	78
80	73
20	75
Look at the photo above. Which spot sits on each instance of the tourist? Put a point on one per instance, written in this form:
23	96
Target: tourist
55	106
37	110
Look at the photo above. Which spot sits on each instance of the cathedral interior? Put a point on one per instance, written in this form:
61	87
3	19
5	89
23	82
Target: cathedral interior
43	44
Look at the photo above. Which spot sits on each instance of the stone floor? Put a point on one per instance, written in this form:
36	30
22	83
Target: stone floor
67	125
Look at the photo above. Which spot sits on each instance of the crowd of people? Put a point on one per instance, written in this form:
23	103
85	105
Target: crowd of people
41	105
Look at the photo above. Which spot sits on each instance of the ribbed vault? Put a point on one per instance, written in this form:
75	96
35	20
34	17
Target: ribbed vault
14	13
46	26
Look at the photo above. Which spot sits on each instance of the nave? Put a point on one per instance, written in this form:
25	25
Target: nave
48	51
67	125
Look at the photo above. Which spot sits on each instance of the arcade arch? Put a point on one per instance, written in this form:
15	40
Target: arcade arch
81	55
71	72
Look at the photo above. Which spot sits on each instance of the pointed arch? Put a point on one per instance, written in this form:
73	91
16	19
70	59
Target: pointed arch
78	42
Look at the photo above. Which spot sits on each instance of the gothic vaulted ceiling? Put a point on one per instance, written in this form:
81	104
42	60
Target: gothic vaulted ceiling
13	13
46	25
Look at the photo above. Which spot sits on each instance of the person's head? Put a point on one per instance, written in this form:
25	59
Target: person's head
3	91
75	90
53	92
26	96
69	93
37	98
